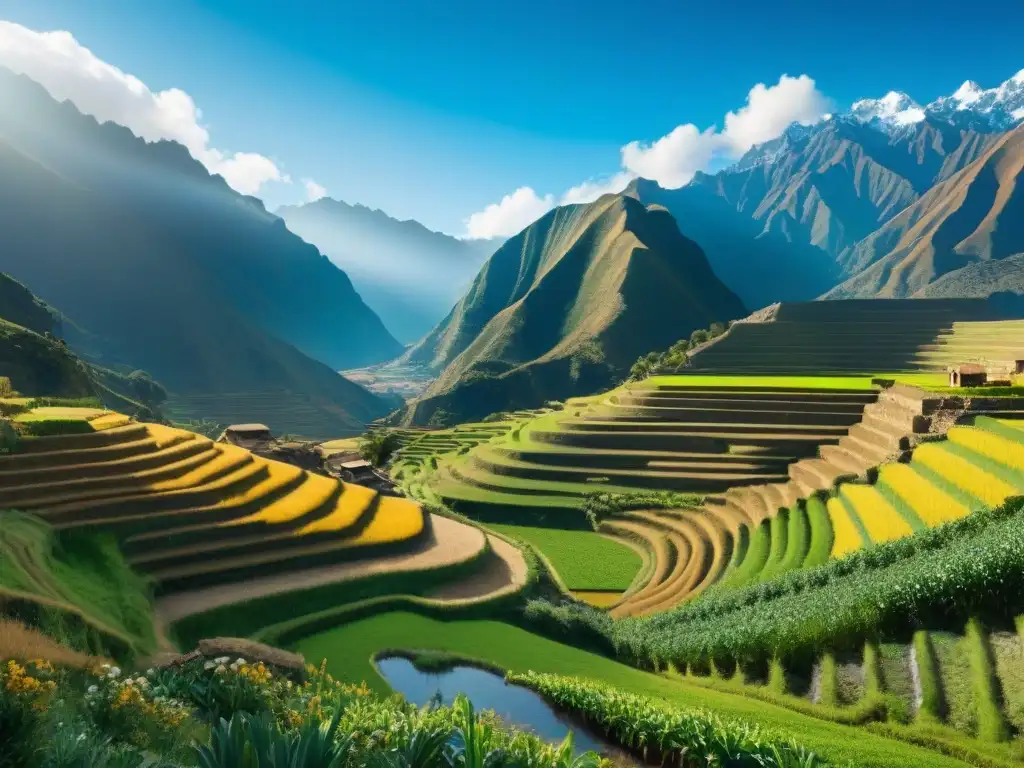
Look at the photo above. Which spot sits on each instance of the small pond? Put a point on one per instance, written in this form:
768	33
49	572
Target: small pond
513	704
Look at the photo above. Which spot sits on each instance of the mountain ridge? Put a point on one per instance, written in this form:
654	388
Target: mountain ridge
974	217
565	307
164	268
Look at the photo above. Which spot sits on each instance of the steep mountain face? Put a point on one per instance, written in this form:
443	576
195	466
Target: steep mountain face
34	360
20	306
169	270
244	254
409	275
761	267
831	186
964	237
565	307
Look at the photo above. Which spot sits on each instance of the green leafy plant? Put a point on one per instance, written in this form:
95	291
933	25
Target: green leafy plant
668	735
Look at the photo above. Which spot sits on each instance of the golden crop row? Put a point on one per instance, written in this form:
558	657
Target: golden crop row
964	474
996	447
846	536
933	505
882	521
396	519
351	504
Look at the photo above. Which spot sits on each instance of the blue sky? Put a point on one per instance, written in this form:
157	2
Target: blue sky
434	109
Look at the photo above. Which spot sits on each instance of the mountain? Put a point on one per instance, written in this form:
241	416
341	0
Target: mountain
409	275
964	237
167	269
761	267
833	185
565	308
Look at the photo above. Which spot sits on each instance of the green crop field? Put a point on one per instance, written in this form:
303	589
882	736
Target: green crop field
584	560
349	650
767	382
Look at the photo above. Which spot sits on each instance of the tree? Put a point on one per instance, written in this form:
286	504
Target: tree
377	445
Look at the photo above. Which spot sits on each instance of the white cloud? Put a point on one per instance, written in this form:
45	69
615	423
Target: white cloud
590	190
514	213
314	191
770	110
673	159
70	71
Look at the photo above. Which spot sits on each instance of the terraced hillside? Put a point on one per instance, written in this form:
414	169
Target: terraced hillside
976	466
865	337
662	434
191	513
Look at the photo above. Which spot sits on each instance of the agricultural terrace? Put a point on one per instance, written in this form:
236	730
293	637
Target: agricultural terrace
680	435
190	514
906	336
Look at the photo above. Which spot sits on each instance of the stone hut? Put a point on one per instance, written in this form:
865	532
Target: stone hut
252	437
968	375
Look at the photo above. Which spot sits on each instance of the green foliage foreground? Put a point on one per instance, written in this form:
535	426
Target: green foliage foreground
226	713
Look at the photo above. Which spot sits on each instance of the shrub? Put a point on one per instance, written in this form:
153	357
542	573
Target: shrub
601	505
9	438
572	623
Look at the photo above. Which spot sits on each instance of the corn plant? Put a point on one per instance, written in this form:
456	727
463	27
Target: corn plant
662	733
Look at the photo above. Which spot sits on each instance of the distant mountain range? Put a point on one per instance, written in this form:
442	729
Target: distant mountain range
565	308
819	205
992	109
162	266
964	236
409	275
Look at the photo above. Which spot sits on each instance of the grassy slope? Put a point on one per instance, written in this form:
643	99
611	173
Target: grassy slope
350	648
82	570
584	559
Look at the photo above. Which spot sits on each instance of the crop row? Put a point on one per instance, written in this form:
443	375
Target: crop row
668	735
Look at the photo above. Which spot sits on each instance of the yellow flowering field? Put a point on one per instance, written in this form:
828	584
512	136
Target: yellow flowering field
396	519
314	491
995	447
882	521
933	505
963	473
351	504
847	537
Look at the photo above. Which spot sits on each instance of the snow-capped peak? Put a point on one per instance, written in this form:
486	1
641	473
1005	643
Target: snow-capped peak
968	93
999	107
895	108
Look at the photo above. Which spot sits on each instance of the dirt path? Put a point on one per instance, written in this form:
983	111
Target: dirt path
505	571
450	542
